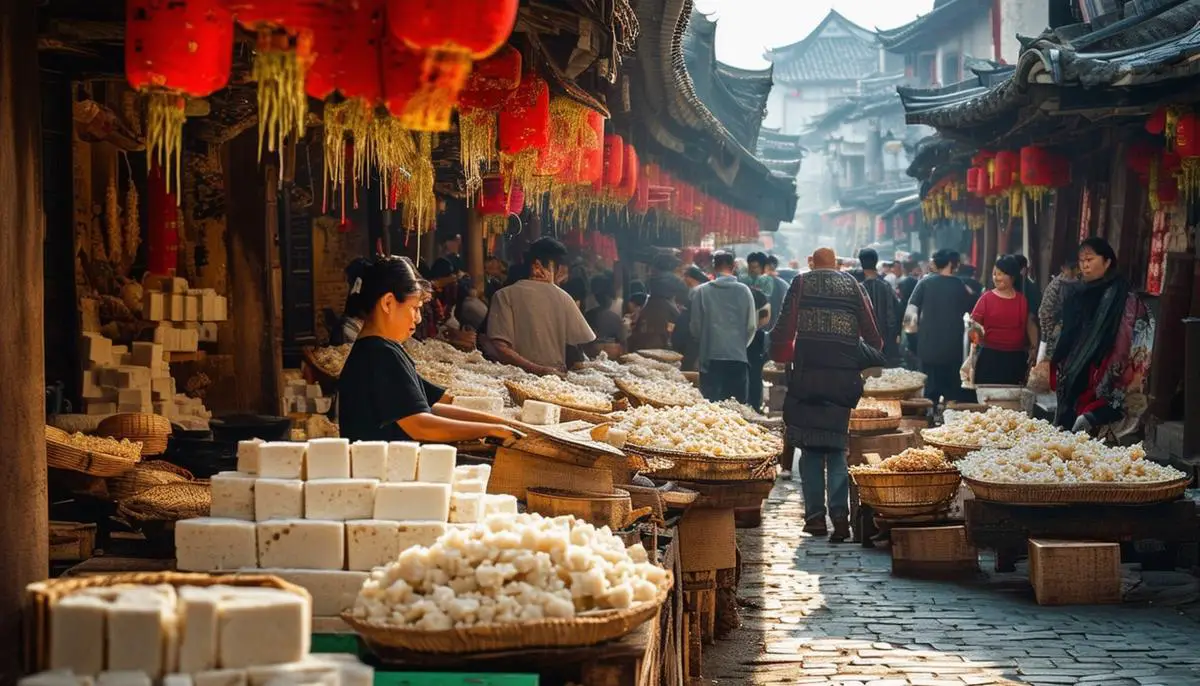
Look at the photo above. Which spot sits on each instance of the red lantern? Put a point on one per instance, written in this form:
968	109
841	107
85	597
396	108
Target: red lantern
591	144
347	45
525	118
614	161
629	175
492	81
685	205
1007	170
975	180
172	49
1187	135
1139	157
1156	124
982	157
494	200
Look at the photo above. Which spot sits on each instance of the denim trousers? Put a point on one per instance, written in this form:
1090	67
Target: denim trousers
823	471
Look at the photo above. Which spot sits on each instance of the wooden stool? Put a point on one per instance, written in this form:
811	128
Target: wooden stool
933	552
1074	572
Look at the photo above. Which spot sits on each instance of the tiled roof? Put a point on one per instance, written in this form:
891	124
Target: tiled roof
737	97
837	50
925	31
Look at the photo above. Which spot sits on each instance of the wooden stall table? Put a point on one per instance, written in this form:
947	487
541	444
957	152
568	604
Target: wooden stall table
1006	529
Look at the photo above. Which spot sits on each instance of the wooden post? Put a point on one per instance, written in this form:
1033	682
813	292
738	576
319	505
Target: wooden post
24	538
1168	357
1191	386
474	245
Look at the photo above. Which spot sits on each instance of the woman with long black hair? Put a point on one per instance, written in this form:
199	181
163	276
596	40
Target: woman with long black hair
1102	358
1009	333
380	395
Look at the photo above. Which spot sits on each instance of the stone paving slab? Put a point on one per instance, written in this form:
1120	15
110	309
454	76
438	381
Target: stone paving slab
821	614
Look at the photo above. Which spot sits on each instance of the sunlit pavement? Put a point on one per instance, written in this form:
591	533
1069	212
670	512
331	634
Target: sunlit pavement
824	614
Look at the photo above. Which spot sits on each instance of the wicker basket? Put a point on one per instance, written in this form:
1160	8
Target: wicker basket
1074	494
613	510
151	430
40	597
61	454
952	451
661	355
519	396
875	426
692	467
168	503
895	394
145	476
583	630
637	400
902	494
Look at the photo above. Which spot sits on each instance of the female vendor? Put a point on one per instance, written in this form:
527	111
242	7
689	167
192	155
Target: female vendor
381	396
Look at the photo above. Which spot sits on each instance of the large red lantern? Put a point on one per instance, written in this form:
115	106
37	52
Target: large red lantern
591	144
524	128
629	176
346	48
1007	170
614	160
171	50
494	200
1187	135
492	82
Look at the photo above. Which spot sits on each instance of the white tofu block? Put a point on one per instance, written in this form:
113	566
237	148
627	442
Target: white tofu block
313	391
436	464
210	544
499	503
232	496
351	670
222	308
369	460
134	396
419	533
101	408
123	678
95	349
339	499
57	677
332	590
77	630
322	405
220	677
305	672
466	508
278	499
301	544
154	306
162	388
91	388
268	626
137	633
208	332
418	502
539	413
175	285
328	458
125	376
191	308
120	350
481	403
189	340
371	543
198	614
402	461
469	486
616	438
178	680
281	460
175	308
247	455
208	306
481	472
147	354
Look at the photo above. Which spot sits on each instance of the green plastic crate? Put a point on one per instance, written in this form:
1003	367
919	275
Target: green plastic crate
336	643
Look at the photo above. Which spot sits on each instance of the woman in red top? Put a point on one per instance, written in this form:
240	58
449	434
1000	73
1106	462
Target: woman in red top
1010	334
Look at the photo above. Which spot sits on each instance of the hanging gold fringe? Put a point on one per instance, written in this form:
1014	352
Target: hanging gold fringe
420	204
477	131
568	131
353	117
1188	178
393	151
164	136
520	169
280	68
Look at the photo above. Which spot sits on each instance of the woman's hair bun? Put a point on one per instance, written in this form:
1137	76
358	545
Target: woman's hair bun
385	274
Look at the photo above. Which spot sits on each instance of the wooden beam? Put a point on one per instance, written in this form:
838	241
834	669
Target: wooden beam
474	246
24	537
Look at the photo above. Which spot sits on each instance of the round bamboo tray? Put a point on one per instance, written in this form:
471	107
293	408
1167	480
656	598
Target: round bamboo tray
40	597
145	476
895	394
584	629
902	494
323	376
61	454
953	451
168	503
1083	493
613	510
875	425
152	430
660	355
637	400
693	467
520	395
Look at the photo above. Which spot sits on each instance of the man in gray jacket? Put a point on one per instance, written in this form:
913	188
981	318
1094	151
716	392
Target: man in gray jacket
723	320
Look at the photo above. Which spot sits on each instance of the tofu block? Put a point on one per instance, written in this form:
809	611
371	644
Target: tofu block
220	677
328	458
123	678
208	332
135	408
210	544
321	405
436	463
418	502
371	543
466	508
98	409
177	680
419	533
301	544
95	349
208	306
369	460
402	461
90	387
77	630
120	351
332	590
351	670
281	460
232	497
198	610
191	308
175	307
247	455
265	627
154	306
222	309
162	388
481	403
140	633
539	413
313	391
616	438
482	472
125	376
56	677
304	672
278	499
175	285
499	503
339	499
469	486
147	354
134	396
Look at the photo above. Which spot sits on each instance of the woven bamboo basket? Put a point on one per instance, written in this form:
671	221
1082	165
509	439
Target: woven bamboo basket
903	494
692	467
875	426
40	597
168	503
661	355
584	629
519	396
637	400
1075	494
151	430
145	476
613	510
323	376
953	452
61	454
895	394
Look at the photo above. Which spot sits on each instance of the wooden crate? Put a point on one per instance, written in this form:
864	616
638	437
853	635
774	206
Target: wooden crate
1074	572
932	551
707	540
72	541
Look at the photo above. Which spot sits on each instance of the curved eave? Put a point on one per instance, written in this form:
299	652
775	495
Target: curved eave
925	31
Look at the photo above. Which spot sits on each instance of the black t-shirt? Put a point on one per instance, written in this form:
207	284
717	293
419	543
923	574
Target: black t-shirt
942	302
380	386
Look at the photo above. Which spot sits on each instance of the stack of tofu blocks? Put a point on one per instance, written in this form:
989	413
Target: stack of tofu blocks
220	635
301	397
323	513
185	316
119	379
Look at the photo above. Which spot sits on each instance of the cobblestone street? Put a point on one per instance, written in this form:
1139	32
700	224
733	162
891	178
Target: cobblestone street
823	614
